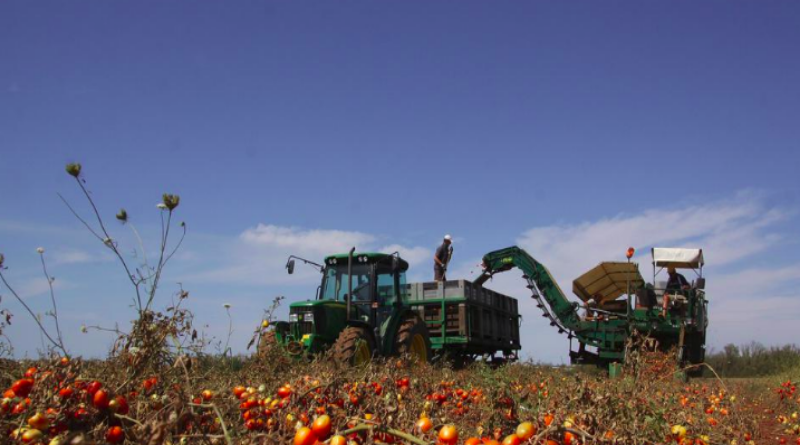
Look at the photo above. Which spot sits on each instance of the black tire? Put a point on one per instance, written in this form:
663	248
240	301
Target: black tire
695	354
349	347
412	339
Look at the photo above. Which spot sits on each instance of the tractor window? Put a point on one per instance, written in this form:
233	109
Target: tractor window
334	285
386	288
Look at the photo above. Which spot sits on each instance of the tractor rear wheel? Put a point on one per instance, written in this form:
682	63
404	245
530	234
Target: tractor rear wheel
412	339
354	346
695	353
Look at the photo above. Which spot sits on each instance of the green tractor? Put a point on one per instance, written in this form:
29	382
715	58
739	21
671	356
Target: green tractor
360	311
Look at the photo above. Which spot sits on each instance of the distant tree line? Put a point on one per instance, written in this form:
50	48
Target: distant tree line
753	360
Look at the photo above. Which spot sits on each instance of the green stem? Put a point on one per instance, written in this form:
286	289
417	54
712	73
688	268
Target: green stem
393	432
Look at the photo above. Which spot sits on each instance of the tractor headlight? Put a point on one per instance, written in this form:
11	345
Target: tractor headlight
309	316
292	318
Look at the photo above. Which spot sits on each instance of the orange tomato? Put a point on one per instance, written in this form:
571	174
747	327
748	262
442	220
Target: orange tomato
570	438
322	426
548	419
338	440
39	421
32	435
512	439
526	430
424	424
472	441
100	399
448	435
238	390
304	436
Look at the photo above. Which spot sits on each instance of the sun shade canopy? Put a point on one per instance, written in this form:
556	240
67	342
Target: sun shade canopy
607	281
679	258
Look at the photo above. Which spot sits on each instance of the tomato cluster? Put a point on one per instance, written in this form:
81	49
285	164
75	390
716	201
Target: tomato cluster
73	405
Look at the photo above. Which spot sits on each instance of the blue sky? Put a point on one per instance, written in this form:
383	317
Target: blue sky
574	129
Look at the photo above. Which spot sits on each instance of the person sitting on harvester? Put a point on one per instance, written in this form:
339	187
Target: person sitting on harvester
676	282
440	259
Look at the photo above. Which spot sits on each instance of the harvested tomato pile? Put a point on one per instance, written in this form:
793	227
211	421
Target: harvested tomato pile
283	401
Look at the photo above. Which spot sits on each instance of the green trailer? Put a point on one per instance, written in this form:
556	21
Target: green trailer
467	321
364	308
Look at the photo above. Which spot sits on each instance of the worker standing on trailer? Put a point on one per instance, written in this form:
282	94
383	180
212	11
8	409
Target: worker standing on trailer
441	258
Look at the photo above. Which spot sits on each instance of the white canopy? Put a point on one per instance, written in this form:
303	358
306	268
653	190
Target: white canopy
680	258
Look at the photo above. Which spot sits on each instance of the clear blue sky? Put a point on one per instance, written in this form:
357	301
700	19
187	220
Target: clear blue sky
394	123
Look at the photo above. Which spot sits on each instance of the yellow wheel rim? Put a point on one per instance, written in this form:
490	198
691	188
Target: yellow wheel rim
363	354
418	349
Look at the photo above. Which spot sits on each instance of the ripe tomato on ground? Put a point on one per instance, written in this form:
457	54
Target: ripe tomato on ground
100	399
321	427
22	387
93	387
525	430
304	436
115	434
448	435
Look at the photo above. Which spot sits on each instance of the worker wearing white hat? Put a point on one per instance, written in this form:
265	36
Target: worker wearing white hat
442	258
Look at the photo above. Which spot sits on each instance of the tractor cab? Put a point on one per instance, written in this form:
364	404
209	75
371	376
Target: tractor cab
374	280
678	294
361	297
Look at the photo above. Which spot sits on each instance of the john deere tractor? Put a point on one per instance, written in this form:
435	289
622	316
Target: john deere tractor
360	311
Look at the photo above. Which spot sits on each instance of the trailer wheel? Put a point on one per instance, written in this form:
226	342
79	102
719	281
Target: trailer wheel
412	339
353	347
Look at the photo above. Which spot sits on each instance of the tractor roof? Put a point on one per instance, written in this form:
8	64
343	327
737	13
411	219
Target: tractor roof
371	257
680	258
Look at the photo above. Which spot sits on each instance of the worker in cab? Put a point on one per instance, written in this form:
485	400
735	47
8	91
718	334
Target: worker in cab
676	282
441	258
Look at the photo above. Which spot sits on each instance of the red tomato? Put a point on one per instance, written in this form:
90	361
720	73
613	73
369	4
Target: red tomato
284	391
322	426
119	405
512	439
22	387
238	391
31	372
100	399
570	439
93	387
115	434
66	393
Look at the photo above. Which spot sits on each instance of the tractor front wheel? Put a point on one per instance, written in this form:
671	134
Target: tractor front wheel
412	339
354	346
